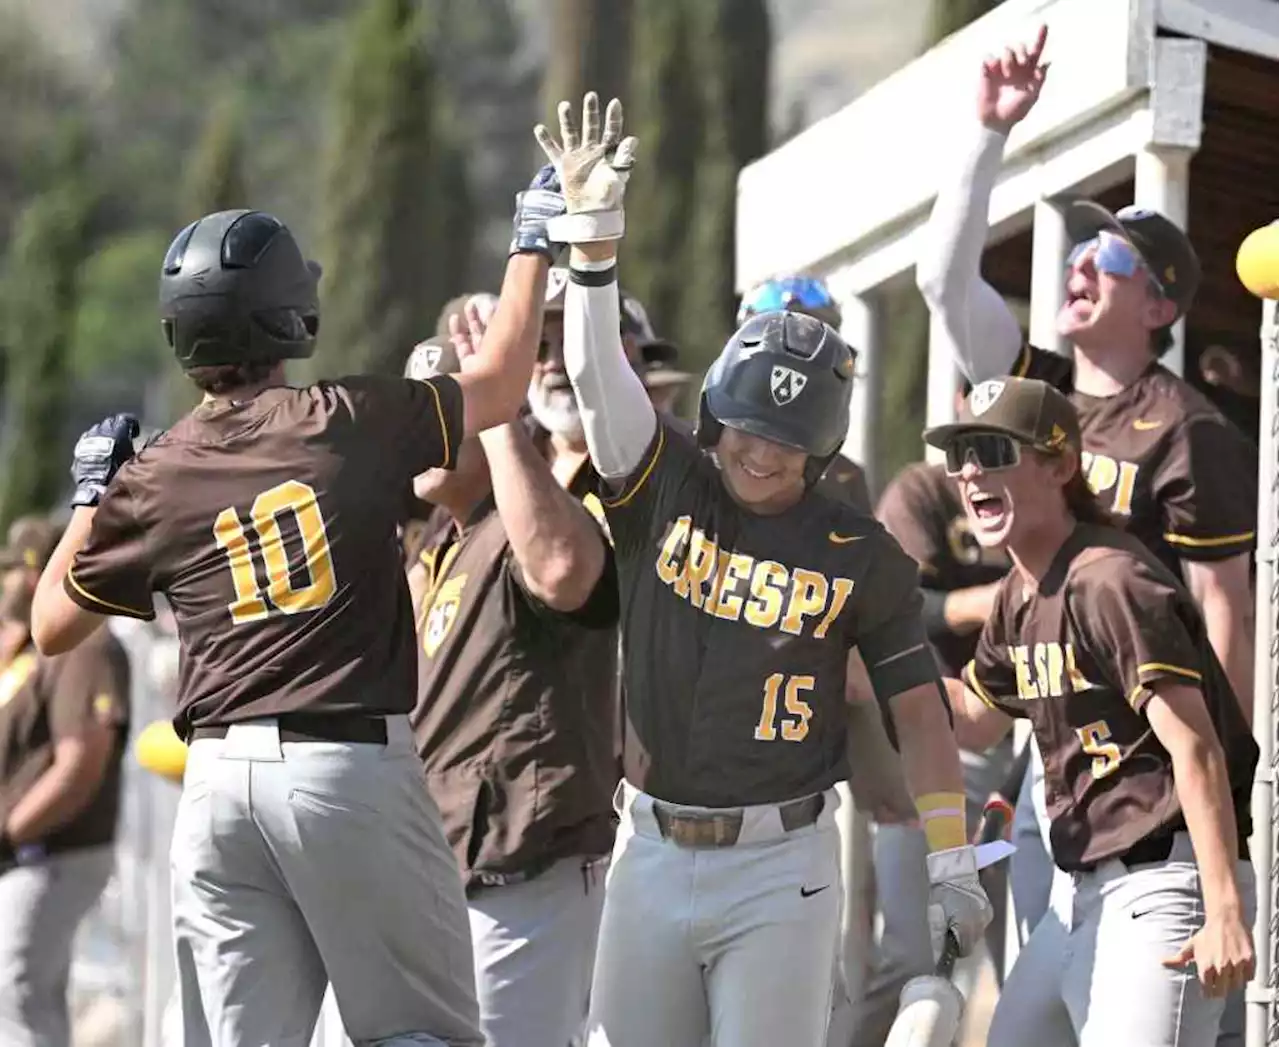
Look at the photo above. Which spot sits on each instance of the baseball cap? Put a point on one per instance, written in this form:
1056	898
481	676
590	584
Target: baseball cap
1029	410
1165	249
30	543
431	357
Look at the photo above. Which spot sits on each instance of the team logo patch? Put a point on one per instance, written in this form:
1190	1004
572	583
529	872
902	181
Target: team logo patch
424	362
983	396
443	613
786	384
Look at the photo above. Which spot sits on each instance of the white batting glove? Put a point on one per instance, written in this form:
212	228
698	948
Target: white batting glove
957	901
593	170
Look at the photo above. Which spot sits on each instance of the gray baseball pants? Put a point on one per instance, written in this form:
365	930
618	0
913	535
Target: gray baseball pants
535	945
41	907
297	864
735	943
1090	975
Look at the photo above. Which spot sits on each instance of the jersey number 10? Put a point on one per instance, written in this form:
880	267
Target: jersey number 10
253	602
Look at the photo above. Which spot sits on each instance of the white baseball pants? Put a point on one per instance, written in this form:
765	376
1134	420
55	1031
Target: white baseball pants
1090	975
735	943
299	863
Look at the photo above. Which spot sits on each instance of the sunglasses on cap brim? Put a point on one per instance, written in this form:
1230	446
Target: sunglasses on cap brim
805	292
990	452
1113	256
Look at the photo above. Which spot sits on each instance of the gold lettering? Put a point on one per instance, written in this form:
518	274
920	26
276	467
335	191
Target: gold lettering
1022	673
765	606
1102	473
736	567
843	587
1123	504
808	597
668	565
698	569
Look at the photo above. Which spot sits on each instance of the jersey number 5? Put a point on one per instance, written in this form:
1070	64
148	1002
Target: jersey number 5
795	726
1095	740
252	603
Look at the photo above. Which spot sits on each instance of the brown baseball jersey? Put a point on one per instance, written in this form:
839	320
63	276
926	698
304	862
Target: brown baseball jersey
271	528
737	629
516	707
45	700
921	508
1163	461
1080	657
844	481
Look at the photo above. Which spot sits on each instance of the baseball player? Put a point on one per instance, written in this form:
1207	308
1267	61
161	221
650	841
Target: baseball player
305	849
844	478
743	592
1162	459
1148	758
515	717
63	725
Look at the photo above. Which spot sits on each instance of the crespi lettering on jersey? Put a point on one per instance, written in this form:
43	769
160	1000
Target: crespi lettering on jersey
1105	475
1046	670
737	587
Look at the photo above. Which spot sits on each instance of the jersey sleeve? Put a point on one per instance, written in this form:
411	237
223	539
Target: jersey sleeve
419	423
1053	368
113	573
888	630
1127	618
669	465
844	481
906	513
1206	485
87	687
990	673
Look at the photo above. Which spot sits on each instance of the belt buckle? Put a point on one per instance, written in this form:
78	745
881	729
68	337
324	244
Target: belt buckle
705	830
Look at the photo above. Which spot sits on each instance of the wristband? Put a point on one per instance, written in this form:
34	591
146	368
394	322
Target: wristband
942	818
586	227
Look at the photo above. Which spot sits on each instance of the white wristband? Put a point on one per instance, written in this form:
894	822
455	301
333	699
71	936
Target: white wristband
586	227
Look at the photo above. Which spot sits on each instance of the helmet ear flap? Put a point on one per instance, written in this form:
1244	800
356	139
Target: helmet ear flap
708	431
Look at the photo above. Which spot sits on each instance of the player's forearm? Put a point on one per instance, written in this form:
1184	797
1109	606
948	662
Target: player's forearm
966	610
496	384
931	763
984	335
557	545
56	797
618	418
1230	636
58	623
1204	791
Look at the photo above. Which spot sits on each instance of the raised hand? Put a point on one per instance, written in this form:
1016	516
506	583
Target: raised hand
1011	83
593	165
98	455
466	332
535	207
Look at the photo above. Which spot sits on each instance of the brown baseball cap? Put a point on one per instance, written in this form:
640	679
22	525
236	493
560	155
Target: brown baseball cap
31	542
431	357
1165	249
1029	410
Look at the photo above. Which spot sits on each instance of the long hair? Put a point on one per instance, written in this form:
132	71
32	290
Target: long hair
1082	503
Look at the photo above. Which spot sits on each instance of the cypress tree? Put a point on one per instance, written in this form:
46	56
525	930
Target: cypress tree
389	262
214	179
41	275
592	52
733	37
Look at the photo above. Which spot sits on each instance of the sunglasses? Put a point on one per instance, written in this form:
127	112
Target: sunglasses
990	452
806	292
1113	256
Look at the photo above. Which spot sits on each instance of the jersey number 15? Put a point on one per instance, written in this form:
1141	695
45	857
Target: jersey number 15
253	602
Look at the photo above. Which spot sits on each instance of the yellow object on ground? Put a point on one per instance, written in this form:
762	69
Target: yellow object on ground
1258	261
160	751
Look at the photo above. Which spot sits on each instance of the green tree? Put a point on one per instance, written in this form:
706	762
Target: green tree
734	38
214	179
666	111
906	320
41	276
591	53
389	265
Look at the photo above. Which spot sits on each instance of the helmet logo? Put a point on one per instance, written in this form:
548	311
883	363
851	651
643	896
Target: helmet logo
786	384
983	396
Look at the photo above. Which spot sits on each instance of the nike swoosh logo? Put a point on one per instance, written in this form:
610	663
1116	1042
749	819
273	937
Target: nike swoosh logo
1142	425
844	539
805	892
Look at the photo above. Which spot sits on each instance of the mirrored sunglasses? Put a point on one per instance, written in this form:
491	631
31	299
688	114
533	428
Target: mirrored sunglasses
807	292
990	452
1113	256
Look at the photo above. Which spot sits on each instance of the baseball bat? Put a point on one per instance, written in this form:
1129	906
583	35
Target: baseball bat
930	1007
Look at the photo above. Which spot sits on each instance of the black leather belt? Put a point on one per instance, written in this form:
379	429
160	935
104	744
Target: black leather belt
1158	849
722	828
311	727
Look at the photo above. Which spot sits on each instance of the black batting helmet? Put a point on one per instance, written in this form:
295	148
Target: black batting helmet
783	376
235	288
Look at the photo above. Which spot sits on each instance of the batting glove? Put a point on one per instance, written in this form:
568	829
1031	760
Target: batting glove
957	902
535	207
99	454
593	169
